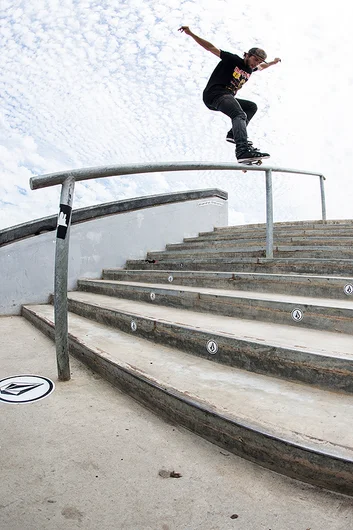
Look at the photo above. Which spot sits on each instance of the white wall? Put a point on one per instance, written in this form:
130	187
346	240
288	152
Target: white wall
27	266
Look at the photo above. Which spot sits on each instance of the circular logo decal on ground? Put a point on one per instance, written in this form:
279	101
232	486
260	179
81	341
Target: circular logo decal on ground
212	347
133	325
297	315
25	388
170	279
348	289
152	296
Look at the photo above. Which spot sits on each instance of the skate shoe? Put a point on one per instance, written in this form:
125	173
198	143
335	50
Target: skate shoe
251	146
250	155
230	138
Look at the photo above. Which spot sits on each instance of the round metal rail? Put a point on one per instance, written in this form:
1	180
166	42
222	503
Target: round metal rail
68	178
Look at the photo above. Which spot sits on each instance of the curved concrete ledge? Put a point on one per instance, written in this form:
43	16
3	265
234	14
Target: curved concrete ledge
299	461
47	224
101	236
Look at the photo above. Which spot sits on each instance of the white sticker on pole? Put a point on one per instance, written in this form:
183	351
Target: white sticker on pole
297	315
63	221
212	347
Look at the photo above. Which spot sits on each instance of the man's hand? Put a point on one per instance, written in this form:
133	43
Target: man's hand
185	29
202	42
263	66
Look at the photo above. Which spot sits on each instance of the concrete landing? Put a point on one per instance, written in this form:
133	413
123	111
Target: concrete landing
89	457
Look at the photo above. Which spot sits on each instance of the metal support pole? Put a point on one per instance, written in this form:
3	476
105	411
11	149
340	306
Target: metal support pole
61	275
269	214
323	201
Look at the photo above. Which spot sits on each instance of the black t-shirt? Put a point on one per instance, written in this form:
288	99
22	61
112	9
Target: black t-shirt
229	76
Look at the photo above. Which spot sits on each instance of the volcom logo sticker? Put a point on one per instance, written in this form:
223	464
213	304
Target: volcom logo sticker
25	388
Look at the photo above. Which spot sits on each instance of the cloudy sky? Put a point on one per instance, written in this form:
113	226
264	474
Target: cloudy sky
99	82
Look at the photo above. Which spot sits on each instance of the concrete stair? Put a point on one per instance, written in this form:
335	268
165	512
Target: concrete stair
334	267
305	248
258	362
317	313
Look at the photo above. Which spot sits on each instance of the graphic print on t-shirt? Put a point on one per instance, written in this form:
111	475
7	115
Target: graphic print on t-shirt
238	79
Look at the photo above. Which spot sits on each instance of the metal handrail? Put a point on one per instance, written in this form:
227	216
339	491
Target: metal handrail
54	179
68	178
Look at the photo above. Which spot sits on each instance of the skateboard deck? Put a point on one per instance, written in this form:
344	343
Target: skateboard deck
252	162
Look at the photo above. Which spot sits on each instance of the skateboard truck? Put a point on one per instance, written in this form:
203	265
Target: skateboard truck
254	162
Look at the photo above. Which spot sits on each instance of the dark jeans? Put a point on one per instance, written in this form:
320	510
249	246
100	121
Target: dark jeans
240	111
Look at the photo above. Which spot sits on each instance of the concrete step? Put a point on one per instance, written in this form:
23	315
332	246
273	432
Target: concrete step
233	242
313	313
290	428
248	235
339	267
319	358
334	287
284	251
291	225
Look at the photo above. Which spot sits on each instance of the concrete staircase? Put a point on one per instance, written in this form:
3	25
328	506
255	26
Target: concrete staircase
255	355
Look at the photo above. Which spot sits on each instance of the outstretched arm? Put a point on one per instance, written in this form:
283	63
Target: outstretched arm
204	43
263	66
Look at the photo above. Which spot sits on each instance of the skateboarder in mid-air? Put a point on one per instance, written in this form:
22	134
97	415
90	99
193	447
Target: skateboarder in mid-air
227	78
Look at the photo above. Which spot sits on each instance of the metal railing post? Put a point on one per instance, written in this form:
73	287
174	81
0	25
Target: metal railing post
269	214
323	201
61	275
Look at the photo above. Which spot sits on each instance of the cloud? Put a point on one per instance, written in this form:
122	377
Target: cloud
100	83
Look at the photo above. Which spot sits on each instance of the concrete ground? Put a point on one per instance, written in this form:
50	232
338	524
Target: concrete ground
89	457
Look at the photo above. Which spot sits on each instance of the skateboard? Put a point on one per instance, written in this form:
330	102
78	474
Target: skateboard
252	162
